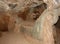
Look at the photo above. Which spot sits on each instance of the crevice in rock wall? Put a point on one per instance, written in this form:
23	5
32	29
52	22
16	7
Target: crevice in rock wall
58	23
38	10
57	31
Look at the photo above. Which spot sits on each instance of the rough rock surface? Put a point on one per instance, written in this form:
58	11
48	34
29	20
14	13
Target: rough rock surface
14	15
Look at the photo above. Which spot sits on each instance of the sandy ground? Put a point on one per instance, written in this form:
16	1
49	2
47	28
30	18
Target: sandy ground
17	38
22	38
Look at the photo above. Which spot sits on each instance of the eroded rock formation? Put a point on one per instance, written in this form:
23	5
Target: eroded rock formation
13	15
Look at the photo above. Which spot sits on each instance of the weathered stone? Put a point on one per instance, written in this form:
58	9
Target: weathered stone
43	29
4	16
